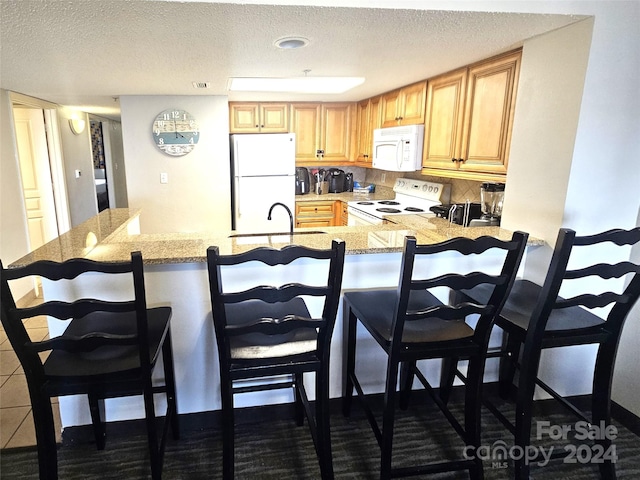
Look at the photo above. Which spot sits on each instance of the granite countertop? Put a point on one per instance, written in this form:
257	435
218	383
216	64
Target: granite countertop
114	233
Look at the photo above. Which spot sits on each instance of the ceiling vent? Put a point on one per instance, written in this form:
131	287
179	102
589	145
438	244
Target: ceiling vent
201	84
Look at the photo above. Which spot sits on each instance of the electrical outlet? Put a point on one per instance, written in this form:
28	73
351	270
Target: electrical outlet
164	177
383	177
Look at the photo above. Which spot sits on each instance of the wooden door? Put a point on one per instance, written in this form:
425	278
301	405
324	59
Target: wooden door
390	108
443	120
36	176
491	96
363	154
244	117
274	118
305	123
413	104
336	132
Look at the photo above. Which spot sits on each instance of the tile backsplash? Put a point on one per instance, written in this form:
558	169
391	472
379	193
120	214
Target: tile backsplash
461	190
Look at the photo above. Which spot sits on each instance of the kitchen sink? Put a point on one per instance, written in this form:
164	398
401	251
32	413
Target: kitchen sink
276	234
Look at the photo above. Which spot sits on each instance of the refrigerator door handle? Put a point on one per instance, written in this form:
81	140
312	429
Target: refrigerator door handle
238	197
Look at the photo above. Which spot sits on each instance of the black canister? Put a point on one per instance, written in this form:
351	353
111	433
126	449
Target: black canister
348	182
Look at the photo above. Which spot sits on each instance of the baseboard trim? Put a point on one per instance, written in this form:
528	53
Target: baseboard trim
212	419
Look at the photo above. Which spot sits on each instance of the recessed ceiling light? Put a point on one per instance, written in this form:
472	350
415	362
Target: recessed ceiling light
291	42
295	84
201	84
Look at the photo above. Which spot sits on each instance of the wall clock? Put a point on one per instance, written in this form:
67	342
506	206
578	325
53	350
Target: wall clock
175	132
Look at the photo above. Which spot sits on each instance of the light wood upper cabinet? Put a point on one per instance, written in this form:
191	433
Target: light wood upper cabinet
469	118
404	106
258	117
363	132
443	119
305	123
323	132
335	135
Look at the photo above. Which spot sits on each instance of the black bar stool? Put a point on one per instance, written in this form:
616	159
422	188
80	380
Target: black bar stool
266	332
109	349
535	317
411	323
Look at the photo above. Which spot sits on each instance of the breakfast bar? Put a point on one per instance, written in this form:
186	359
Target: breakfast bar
176	275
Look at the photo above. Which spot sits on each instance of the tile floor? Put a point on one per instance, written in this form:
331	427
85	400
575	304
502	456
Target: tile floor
16	422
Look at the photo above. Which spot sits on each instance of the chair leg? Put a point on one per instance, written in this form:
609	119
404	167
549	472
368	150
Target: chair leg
228	447
45	437
601	403
298	406
155	456
96	408
406	383
447	377
388	419
508	361
524	403
350	323
170	385
473	410
323	424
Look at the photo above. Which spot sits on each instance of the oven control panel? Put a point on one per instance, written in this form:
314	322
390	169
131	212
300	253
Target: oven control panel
437	192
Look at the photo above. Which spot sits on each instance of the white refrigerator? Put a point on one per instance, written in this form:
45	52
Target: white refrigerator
262	173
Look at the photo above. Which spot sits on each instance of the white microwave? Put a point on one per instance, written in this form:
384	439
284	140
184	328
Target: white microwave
398	149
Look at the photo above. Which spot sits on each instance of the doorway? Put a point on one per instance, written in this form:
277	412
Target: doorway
99	165
36	176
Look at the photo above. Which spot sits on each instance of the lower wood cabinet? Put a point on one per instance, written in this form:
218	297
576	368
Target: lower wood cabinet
344	214
318	214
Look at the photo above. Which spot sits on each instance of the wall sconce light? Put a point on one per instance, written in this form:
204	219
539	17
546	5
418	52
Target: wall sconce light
77	125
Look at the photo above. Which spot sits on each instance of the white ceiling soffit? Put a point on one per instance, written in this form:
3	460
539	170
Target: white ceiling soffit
84	53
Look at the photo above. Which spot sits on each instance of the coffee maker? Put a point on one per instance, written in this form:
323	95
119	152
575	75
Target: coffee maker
491	199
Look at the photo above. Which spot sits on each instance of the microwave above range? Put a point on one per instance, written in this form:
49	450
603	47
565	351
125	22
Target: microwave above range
398	149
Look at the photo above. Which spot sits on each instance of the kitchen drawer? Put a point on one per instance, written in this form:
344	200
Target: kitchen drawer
315	208
317	214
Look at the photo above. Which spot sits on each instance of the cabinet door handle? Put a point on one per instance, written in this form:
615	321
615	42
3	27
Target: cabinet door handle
453	160
257	126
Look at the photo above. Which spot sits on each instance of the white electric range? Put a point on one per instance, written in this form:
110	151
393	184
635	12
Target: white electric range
412	197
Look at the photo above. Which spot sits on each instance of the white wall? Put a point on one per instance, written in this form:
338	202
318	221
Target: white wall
77	155
116	171
197	195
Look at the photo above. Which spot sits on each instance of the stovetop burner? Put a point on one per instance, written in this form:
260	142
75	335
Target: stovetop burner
388	202
387	210
364	203
413	209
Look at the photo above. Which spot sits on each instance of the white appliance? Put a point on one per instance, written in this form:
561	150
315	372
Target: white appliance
262	174
398	149
412	197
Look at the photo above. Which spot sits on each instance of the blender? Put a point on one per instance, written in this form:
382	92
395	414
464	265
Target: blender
491	198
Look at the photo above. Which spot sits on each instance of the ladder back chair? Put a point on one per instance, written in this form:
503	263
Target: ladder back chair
266	334
412	323
536	317
109	349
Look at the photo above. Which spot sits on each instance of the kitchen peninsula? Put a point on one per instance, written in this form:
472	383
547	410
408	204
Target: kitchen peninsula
176	275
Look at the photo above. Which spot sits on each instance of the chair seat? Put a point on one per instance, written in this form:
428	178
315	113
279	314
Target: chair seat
256	346
376	308
107	361
521	302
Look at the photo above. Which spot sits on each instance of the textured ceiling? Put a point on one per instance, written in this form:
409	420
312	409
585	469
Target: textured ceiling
83	53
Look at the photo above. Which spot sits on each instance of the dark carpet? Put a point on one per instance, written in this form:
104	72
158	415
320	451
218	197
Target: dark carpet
270	446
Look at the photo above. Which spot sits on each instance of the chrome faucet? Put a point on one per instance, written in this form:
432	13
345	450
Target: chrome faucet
288	211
